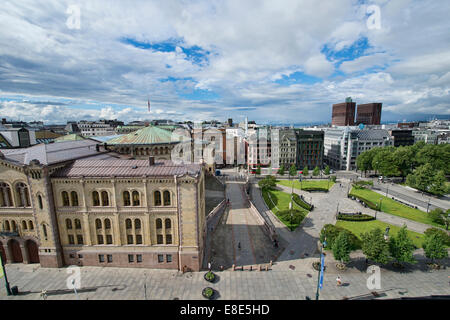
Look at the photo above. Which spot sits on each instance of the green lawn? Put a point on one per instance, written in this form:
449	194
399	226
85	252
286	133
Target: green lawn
279	201
359	227
393	207
307	183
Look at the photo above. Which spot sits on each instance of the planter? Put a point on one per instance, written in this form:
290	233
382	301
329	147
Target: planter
341	266
434	266
208	293
209	276
316	265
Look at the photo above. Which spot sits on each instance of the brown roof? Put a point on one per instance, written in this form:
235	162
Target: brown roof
125	168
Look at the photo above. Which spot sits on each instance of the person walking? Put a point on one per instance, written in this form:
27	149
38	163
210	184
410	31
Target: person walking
209	266
338	281
239	245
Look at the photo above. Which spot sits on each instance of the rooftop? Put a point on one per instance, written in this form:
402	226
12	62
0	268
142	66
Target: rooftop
126	168
147	135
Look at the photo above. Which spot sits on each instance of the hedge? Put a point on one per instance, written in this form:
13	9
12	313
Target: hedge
301	203
315	189
356	217
369	203
443	234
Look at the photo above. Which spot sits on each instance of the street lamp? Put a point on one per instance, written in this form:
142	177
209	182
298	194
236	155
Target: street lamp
387	190
337	209
428	205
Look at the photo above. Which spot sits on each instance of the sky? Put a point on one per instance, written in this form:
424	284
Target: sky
272	61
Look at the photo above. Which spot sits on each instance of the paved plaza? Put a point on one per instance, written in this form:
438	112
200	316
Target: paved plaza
290	277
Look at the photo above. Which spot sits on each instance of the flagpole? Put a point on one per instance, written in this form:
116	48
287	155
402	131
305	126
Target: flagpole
8	289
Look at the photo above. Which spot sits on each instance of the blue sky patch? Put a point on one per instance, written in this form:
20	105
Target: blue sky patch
297	78
356	50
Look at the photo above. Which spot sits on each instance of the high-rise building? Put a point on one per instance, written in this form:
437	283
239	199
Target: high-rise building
344	113
369	113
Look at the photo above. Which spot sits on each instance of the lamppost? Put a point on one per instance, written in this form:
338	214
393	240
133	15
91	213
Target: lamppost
337	209
387	190
322	263
428	205
2	266
378	207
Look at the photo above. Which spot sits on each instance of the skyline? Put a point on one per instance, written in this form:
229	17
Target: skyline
246	62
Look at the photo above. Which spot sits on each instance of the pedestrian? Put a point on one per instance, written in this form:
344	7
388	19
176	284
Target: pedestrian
209	266
338	281
239	245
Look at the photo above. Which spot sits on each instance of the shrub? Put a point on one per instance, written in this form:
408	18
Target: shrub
331	232
315	189
209	276
444	235
356	217
208	292
300	202
342	247
369	203
333	178
436	216
434	247
374	246
297	216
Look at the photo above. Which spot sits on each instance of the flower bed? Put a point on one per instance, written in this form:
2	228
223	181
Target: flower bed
315	189
368	203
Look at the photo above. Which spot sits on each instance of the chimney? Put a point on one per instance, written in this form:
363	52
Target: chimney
151	161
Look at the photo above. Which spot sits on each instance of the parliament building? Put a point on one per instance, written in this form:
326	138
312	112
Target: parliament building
75	203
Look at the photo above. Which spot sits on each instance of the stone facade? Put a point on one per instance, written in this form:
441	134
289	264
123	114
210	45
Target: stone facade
153	220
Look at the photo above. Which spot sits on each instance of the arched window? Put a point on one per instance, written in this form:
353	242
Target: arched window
107	224
13	226
136	201
105	199
137	224
166	195
5	195
77	224
30	225
24	225
68	224
7	226
98	223
95	199
74	198
126	198
157	195
65	199
168	224
23	196
128	224
41	205
158	223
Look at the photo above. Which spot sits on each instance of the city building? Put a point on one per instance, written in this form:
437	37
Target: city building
343	114
259	144
17	136
98	128
402	137
343	145
75	203
428	136
369	114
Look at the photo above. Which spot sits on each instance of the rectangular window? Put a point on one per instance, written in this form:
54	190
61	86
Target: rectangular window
109	257
160	258
159	239
168	239
99	239
130	258
101	258
79	239
72	256
109	239
168	258
138	239
139	258
80	256
130	239
71	239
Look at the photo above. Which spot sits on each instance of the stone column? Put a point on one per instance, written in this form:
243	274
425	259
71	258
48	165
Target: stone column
87	227
116	228
24	253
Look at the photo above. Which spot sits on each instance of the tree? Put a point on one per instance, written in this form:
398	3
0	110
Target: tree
258	170
434	247
422	177
267	183
327	170
402	247
439	232
403	157
440	217
438	185
293	170
305	171
436	156
316	171
342	248
384	162
281	170
375	247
